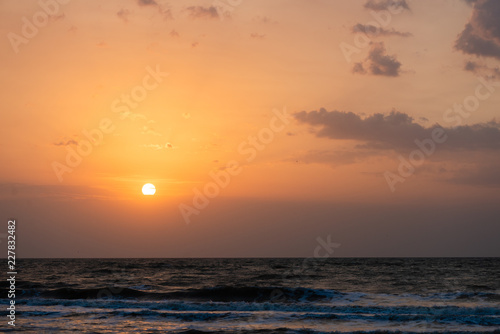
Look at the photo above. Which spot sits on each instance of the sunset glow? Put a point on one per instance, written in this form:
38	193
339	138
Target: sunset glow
250	166
376	121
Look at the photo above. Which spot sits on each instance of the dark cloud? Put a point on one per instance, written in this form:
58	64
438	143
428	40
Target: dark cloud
481	69
397	130
166	13
123	14
66	142
470	66
163	10
377	31
358	68
386	4
378	63
481	35
257	36
174	34
147	3
471	43
264	19
198	12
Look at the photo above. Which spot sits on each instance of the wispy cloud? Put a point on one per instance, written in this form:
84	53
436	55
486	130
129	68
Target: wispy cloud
378	31
132	115
123	14
257	36
146	130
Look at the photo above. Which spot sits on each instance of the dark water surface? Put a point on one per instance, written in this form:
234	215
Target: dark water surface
257	295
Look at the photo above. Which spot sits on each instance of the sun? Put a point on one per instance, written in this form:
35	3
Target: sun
148	189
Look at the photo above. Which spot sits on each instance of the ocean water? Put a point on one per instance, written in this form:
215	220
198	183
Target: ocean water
332	295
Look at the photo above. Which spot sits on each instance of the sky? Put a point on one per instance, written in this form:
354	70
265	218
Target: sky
268	128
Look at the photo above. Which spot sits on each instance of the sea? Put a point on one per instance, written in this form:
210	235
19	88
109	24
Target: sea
256	295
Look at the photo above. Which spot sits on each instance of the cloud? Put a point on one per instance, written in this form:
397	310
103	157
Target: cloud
123	14
481	69
167	13
146	130
481	35
264	20
257	36
55	18
386	4
470	66
157	147
153	146
397	130
378	31
378	63
358	68
197	12
147	3
65	142
164	11
174	33
131	115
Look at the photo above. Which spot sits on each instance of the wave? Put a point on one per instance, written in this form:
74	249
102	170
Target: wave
216	294
297	308
253	294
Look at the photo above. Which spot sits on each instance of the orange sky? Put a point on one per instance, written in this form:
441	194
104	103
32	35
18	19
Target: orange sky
174	91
